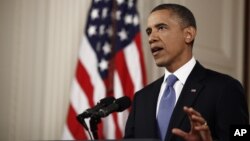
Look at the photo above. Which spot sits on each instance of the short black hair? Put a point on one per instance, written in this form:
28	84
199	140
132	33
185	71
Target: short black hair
185	15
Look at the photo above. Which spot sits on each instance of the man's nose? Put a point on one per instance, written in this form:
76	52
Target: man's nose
152	37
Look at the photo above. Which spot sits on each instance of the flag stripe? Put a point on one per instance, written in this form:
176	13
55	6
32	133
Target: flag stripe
118	133
100	132
126	83
74	126
118	92
85	83
109	127
122	69
134	70
122	117
88	59
142	64
67	133
78	99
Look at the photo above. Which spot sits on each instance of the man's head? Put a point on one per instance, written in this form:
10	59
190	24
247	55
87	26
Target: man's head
185	16
171	30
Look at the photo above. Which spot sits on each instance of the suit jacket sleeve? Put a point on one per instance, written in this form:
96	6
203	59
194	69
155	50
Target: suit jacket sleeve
231	109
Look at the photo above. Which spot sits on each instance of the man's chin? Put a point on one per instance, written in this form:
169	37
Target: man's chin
159	64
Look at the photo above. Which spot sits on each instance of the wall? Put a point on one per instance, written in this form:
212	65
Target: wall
39	40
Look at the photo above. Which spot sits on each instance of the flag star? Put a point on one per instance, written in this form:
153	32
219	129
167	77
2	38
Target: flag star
120	2
94	14
128	19
106	48
98	47
122	34
103	65
92	30
101	30
135	20
104	13
96	1
110	31
130	3
118	15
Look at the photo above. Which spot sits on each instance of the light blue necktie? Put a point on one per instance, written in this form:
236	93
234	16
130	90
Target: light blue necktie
166	106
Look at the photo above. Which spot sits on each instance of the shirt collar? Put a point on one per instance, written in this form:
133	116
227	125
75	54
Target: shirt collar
183	72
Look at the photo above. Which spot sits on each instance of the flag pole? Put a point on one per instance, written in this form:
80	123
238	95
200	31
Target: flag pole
111	66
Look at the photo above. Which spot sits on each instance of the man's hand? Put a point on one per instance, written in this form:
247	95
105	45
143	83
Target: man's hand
199	128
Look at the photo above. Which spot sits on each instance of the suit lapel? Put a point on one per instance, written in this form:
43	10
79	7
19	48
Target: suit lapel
153	95
187	97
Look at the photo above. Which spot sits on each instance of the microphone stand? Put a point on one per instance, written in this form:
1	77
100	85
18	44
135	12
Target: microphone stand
93	126
83	123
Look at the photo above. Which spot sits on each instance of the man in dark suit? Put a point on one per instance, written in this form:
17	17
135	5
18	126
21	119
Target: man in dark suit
205	103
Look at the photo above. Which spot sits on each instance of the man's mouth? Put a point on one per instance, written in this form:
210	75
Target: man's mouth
156	50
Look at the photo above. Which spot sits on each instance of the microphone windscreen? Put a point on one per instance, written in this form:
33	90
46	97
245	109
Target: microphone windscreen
123	102
107	100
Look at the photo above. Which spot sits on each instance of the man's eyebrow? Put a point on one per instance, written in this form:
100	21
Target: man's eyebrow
157	25
160	24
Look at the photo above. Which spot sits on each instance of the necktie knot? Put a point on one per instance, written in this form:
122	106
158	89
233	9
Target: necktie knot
171	80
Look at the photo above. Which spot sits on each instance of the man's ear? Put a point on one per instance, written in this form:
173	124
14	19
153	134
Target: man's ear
189	34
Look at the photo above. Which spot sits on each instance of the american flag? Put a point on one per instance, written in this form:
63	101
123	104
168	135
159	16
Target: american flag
110	63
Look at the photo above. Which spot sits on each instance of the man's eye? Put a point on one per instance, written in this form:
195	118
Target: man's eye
148	32
161	27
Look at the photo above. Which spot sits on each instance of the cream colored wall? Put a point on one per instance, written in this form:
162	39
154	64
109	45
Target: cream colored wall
219	43
39	41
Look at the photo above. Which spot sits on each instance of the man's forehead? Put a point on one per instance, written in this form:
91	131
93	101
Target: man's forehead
167	12
160	16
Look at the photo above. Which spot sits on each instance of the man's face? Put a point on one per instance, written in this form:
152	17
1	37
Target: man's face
166	38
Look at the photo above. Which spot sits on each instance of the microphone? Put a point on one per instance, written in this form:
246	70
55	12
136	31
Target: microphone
118	105
102	103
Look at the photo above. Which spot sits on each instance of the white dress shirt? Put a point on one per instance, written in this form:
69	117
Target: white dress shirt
182	73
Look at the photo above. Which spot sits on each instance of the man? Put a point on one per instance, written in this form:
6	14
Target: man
205	103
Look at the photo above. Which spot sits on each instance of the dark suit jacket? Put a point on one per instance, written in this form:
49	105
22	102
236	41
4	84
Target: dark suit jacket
218	97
